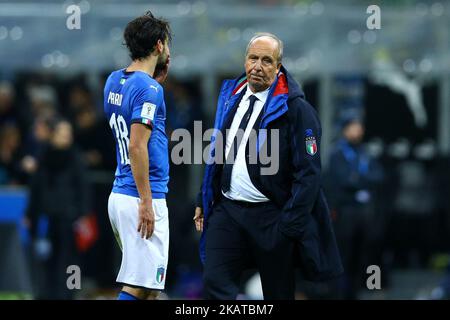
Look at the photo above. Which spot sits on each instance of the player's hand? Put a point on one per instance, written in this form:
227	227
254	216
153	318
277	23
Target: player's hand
160	74
146	223
198	219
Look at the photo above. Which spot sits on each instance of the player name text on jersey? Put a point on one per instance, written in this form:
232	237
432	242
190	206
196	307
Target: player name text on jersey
115	98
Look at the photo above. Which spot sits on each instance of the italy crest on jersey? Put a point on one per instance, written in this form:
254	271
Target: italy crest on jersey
311	143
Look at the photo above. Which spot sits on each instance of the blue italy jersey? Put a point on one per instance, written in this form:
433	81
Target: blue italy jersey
135	97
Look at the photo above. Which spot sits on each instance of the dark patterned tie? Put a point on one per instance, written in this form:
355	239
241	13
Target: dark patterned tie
228	165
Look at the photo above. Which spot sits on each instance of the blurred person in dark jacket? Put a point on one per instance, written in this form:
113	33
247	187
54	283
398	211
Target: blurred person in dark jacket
9	154
7	103
92	138
42	100
35	117
95	144
79	98
58	192
352	181
35	143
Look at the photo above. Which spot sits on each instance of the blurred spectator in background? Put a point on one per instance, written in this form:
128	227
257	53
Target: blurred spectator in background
79	98
59	193
7	98
185	108
95	143
352	182
91	135
43	101
184	104
34	116
35	142
10	136
9	154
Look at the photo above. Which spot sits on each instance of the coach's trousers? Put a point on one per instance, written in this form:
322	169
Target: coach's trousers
242	235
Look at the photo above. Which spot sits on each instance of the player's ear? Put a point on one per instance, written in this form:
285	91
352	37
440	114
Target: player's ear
159	47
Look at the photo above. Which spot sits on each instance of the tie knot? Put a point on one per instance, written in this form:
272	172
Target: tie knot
252	99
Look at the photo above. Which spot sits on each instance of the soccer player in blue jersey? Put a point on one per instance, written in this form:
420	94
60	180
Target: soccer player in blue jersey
134	106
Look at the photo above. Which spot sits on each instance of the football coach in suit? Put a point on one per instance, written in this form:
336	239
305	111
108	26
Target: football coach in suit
273	222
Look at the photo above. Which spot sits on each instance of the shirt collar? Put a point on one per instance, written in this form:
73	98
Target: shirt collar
262	95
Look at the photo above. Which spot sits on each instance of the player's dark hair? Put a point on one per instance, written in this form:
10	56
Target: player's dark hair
142	34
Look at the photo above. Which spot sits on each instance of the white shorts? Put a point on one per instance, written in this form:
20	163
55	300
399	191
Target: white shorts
144	261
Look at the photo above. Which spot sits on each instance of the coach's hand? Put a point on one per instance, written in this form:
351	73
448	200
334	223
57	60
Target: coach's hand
198	219
146	223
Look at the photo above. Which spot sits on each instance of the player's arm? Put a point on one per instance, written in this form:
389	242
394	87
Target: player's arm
139	137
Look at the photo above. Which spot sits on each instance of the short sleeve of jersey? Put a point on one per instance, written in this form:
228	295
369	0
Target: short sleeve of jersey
144	107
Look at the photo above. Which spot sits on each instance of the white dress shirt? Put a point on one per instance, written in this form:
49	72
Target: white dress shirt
241	187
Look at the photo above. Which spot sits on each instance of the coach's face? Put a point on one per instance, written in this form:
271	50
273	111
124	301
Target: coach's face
261	66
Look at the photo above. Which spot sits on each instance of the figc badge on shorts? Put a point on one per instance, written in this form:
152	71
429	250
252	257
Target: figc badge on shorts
160	274
311	143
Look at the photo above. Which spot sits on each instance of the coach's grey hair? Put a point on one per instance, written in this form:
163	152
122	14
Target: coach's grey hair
270	35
